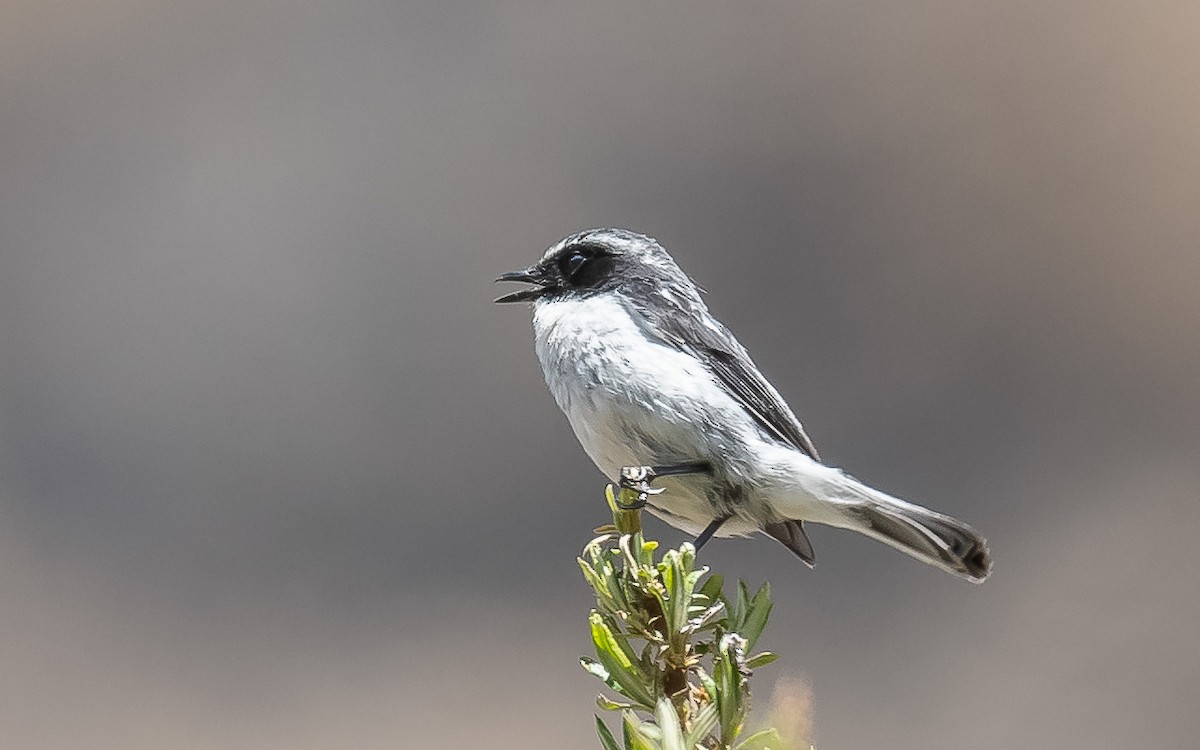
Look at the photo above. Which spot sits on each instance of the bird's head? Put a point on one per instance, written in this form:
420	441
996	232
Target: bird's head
596	261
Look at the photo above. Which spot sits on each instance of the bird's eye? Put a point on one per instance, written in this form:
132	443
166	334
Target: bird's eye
572	265
584	267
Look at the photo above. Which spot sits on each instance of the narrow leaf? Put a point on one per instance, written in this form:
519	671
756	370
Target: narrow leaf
731	695
621	667
712	587
597	669
703	723
594	667
761	660
767	739
608	704
668	722
757	614
606	738
738	606
635	738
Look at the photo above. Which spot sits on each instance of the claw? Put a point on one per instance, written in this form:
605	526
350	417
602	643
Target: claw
643	488
638	478
635	505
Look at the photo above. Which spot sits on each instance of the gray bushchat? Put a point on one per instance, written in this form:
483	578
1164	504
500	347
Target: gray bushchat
664	399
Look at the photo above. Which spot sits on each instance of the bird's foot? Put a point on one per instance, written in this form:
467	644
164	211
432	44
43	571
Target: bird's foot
638	478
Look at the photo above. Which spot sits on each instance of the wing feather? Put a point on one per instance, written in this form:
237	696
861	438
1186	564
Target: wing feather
690	327
739	375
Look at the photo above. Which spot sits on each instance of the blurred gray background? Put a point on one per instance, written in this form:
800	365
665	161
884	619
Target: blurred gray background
274	473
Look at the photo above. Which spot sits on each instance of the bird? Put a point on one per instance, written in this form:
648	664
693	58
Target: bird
664	399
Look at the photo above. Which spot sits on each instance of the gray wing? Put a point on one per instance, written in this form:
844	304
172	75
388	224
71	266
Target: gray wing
697	332
694	330
739	375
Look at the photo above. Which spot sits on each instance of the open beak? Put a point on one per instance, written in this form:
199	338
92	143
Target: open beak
529	275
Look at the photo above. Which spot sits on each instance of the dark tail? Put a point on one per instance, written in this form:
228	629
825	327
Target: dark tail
924	534
932	537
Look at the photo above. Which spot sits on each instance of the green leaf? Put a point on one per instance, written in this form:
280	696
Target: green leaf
743	597
673	598
728	698
704	618
606	738
598	670
668	722
761	660
737	606
731	695
712	587
703	723
615	623
757	613
594	667
594	579
608	704
634	735
628	544
767	739
648	547
626	674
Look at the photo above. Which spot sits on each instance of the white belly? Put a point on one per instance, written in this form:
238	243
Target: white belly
633	402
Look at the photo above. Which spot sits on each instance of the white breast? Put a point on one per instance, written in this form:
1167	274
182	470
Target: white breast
632	401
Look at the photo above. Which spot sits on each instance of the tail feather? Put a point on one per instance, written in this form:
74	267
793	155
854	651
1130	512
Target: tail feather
931	537
928	536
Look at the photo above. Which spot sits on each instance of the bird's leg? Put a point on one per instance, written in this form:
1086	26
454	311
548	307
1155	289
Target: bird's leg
709	530
638	478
